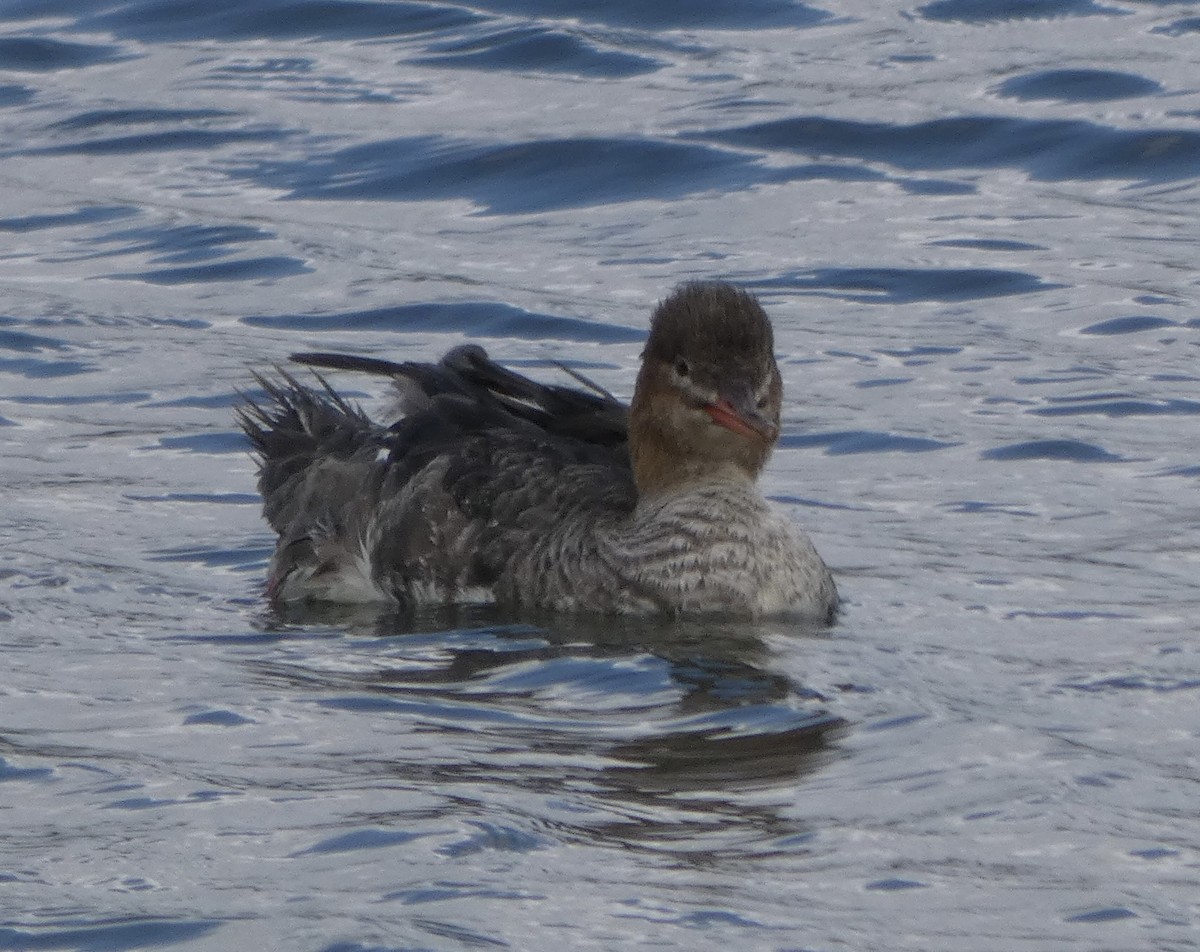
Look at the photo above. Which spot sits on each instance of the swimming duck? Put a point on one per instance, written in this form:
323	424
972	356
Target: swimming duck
492	487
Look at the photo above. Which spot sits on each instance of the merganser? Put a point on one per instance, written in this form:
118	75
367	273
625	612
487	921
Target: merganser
492	487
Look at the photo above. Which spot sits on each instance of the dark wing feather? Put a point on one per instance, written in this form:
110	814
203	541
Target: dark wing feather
498	460
495	395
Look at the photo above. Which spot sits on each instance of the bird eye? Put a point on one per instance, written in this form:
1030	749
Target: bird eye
762	403
682	368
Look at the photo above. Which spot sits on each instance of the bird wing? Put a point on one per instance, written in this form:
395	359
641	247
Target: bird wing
483	467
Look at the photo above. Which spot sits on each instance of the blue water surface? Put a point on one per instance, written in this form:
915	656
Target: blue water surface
973	226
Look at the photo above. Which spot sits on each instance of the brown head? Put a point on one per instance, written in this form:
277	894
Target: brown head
709	393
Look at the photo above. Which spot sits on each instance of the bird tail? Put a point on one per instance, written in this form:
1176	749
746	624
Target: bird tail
292	428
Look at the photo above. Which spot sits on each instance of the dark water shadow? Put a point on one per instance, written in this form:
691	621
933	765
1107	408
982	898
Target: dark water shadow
170	140
1070	451
1049	150
673	726
84	215
107	934
849	442
904	285
1005	11
478	318
154	21
514	178
43	54
13	94
536	48
1077	85
1181	27
670	14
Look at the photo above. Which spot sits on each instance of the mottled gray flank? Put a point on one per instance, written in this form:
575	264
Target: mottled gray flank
497	488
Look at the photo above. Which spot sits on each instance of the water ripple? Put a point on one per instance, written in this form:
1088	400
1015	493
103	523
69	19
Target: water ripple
490	836
518	178
1074	451
1116	405
1048	149
1157	684
85	215
10	772
12	94
1180	27
271	267
634	707
26	343
179	244
1107	914
1078	85
166	141
670	14
301	79
905	285
986	244
487	318
863	441
193	250
157	21
987	11
107	935
42	54
179	756
536	49
31	346
1128	325
232	441
365	839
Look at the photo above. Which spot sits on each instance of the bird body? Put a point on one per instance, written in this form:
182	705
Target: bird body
492	487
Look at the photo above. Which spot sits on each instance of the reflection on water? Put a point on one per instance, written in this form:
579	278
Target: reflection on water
684	717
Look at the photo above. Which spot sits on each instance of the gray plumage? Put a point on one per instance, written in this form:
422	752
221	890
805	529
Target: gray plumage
492	487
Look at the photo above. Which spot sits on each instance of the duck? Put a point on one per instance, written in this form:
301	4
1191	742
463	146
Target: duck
490	487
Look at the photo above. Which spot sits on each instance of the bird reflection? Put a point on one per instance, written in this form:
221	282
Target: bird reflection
669	725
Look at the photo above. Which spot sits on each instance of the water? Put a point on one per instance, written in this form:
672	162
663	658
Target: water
975	227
